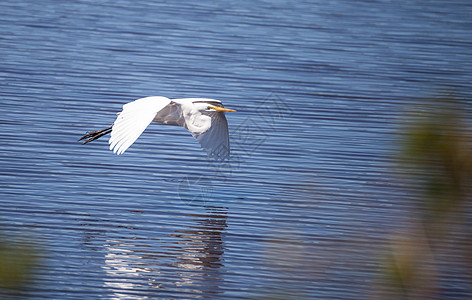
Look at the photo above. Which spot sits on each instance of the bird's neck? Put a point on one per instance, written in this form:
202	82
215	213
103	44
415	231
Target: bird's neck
197	123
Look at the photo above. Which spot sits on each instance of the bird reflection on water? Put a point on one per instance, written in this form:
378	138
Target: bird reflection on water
138	267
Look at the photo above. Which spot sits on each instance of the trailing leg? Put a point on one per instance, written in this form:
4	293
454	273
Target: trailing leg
93	135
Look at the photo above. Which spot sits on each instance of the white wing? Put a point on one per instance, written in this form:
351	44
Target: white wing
133	120
216	139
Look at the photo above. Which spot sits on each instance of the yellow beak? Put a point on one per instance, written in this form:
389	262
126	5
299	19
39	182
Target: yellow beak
222	109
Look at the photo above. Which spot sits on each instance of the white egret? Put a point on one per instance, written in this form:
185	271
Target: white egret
204	118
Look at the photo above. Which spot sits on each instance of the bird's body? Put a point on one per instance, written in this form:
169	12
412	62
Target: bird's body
204	118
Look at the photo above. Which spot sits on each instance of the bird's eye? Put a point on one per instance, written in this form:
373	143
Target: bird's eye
209	107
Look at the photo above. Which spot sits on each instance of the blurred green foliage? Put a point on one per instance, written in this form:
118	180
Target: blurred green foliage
16	263
437	162
438	146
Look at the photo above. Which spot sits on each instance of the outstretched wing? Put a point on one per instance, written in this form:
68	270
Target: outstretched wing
133	120
216	139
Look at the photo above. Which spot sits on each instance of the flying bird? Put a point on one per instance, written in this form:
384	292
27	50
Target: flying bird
204	118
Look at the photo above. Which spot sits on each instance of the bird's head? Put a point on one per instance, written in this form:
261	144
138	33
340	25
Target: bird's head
206	106
217	108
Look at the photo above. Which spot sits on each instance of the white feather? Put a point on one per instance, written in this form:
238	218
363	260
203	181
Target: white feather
215	140
133	120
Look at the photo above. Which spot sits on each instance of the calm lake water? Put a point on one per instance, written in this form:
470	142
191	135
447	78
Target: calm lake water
309	199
